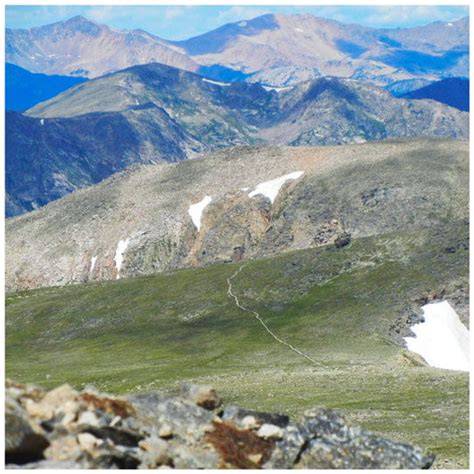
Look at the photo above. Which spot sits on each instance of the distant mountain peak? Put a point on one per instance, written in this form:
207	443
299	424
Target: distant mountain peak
81	24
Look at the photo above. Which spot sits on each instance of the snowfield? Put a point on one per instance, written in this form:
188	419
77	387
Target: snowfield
217	83
442	340
270	189
118	259
93	260
196	210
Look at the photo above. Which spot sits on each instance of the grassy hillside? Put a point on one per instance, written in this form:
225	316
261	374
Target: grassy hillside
336	305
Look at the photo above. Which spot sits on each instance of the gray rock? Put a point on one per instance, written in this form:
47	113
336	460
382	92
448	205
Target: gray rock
186	420
23	439
101	438
334	445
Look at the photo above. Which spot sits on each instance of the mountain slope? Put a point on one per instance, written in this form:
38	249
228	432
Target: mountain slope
24	89
80	47
333	110
46	159
143	215
277	49
453	92
195	114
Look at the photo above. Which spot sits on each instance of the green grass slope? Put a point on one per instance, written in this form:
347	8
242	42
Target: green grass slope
336	305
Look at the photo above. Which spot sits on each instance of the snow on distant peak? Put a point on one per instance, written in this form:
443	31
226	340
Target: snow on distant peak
450	24
277	89
42	121
196	210
243	23
299	30
119	253
442	340
217	83
270	189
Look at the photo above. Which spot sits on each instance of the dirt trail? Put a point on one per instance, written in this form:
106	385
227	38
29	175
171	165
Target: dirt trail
260	320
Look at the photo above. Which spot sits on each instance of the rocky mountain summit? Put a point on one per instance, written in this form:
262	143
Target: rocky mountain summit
239	203
155	113
65	428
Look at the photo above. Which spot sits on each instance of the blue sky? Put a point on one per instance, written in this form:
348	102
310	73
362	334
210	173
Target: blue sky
180	22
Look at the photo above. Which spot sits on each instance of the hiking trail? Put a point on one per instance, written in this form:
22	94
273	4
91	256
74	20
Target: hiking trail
260	320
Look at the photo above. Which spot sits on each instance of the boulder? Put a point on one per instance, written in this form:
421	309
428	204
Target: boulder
202	395
88	430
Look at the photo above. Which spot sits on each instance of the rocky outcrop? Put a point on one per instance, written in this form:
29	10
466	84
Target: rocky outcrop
65	428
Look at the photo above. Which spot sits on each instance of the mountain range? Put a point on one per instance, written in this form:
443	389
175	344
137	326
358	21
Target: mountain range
152	113
276	50
143	217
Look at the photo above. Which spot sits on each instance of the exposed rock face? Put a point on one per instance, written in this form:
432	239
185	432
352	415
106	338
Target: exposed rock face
91	430
361	190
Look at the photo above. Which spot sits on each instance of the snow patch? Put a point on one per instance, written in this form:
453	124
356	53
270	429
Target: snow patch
299	30
270	189
450	24
118	259
93	260
196	210
42	121
244	189
243	23
217	83
278	89
442	340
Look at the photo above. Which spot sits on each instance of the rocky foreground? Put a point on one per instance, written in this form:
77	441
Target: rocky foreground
64	428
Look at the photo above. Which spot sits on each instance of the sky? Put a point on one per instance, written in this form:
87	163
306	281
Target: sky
180	22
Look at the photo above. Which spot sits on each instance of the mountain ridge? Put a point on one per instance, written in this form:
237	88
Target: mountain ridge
148	208
274	49
171	114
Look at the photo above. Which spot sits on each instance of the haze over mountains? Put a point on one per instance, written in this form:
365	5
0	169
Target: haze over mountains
273	49
453	91
24	89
